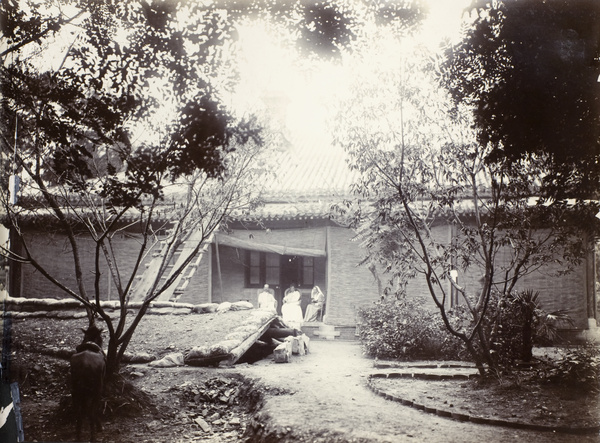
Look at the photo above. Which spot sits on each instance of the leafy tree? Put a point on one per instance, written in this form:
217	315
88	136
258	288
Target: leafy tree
21	27
326	29
85	156
131	105
530	70
131	67
421	170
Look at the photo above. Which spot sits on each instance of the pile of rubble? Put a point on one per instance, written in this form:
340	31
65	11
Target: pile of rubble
219	405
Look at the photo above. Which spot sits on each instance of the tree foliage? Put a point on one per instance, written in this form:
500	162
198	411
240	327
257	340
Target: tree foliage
530	71
101	128
325	29
107	106
423	171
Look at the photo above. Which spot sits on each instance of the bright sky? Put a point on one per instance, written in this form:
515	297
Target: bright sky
269	70
443	20
305	90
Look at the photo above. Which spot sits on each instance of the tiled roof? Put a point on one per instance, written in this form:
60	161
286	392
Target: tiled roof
310	169
300	210
312	174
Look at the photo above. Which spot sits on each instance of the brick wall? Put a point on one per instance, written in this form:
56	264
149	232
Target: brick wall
350	286
198	290
417	287
232	278
347	286
561	292
53	253
568	291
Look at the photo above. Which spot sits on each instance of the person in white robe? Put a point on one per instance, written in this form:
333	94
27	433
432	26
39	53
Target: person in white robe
317	300
266	300
291	310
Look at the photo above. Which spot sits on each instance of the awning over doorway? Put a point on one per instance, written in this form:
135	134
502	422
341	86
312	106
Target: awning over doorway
303	242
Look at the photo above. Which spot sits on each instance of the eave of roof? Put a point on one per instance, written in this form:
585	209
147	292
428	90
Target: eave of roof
287	211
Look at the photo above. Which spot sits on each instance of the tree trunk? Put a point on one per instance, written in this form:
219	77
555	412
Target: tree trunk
112	359
527	336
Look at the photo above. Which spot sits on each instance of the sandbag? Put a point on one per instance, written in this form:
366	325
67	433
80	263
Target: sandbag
169	361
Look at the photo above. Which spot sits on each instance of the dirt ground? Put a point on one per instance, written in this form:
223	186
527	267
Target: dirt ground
320	397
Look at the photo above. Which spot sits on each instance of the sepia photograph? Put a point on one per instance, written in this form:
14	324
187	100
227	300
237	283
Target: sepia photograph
300	221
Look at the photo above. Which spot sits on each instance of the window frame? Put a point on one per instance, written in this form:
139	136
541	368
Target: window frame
303	268
249	266
302	264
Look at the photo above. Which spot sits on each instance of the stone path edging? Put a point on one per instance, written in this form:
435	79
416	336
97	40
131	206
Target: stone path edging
461	416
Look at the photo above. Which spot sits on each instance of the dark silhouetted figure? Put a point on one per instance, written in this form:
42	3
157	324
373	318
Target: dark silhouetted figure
88	367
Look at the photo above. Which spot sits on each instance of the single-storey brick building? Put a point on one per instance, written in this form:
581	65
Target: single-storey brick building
294	238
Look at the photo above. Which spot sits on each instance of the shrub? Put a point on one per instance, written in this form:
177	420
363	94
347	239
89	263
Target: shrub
518	324
578	369
405	329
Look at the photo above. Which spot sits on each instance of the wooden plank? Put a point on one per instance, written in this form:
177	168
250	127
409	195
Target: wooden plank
237	352
185	250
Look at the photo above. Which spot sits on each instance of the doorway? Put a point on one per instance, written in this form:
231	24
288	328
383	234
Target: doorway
290	264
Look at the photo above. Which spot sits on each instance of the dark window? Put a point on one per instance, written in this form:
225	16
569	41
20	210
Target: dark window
266	267
271	269
261	268
254	259
308	271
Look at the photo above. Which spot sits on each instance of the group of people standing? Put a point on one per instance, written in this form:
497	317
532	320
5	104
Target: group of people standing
291	311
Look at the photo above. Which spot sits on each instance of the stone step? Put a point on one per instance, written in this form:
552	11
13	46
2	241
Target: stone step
346	333
327	332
